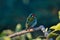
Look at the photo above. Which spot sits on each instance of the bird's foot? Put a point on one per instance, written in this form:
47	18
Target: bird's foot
29	29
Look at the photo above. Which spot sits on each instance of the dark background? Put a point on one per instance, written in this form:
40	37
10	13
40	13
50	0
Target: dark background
16	11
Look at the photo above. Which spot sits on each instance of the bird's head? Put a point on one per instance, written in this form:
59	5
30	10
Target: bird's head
31	20
31	17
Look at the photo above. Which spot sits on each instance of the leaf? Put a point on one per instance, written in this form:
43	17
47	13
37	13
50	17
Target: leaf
29	36
6	32
38	38
56	27
23	37
50	35
6	38
18	27
58	38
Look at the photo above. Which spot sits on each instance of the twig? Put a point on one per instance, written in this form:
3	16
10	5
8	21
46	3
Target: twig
24	32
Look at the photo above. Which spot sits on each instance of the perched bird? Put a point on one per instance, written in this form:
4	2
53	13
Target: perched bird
31	21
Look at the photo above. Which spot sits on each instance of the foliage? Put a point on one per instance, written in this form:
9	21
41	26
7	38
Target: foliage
53	34
6	38
58	38
56	27
5	33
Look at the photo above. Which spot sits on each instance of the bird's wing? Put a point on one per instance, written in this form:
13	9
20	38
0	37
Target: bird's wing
34	22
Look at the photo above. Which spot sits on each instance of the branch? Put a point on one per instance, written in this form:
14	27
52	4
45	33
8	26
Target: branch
24	32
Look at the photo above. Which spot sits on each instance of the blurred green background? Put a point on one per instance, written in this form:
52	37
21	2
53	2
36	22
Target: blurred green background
13	12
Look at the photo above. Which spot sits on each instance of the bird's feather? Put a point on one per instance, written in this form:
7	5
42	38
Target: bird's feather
31	21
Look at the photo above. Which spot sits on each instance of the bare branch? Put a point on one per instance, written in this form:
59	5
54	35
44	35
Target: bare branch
24	32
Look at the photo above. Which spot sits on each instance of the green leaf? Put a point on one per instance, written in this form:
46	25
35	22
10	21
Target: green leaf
29	36
6	38
18	27
52	35
58	38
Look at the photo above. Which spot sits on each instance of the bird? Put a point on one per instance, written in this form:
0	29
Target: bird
31	21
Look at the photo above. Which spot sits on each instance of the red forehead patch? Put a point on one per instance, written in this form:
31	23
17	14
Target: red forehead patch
33	14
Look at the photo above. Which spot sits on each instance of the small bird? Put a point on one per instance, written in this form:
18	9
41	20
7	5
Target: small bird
31	21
